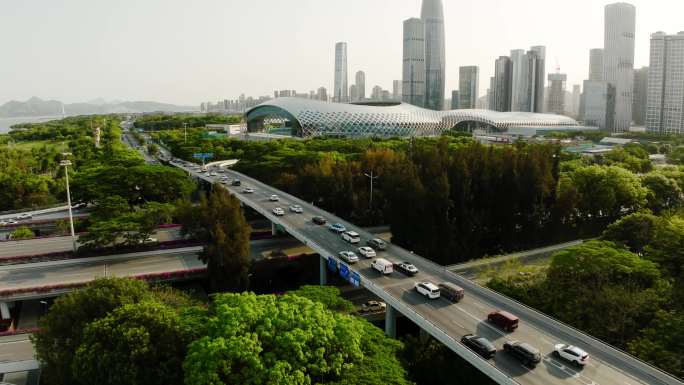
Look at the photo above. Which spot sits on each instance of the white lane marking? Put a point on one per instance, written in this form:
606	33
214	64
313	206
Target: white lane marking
574	374
478	305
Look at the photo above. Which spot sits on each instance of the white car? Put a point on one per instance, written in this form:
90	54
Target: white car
12	222
273	198
571	353
248	191
367	252
278	211
349	257
24	216
351	237
213	173
428	289
296	209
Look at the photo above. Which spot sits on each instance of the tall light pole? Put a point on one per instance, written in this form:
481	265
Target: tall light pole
372	178
185	128
66	163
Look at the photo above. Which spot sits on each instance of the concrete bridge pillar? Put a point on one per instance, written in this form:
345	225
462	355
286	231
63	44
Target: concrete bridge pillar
33	377
323	270
390	322
274	229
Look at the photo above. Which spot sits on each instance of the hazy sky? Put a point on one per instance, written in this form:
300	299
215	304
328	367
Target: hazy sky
188	51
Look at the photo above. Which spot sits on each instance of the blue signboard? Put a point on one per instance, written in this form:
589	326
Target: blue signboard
332	264
344	271
355	279
201	155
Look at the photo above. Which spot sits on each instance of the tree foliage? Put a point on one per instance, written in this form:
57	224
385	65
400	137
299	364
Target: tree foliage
662	342
327	295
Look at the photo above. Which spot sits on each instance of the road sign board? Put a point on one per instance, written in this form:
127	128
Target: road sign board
332	264
355	279
344	271
203	155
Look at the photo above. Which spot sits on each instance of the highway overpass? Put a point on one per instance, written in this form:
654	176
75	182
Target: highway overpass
448	322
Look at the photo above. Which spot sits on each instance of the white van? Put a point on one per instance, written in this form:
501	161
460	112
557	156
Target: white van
351	237
383	266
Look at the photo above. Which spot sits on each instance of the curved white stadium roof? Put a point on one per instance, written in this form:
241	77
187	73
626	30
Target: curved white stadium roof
321	118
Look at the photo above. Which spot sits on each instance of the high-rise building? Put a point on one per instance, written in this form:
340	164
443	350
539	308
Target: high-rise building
413	81
468	86
618	59
527	85
361	84
322	94
596	64
555	101
640	94
376	93
432	15
341	88
665	106
599	104
396	89
500	91
576	97
454	99
353	93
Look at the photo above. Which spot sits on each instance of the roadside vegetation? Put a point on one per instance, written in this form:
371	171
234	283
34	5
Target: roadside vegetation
156	122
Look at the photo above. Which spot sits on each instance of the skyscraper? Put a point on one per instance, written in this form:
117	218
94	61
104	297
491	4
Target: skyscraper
413	81
640	93
665	110
518	80
556	98
432	15
396	89
341	88
322	94
596	64
353	93
527	84
501	90
599	104
539	74
468	85
576	96
618	59
361	84
454	99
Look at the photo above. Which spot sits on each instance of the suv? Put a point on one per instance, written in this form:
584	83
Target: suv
236	182
367	252
349	257
351	237
337	228
372	307
377	244
296	209
480	345
504	320
278	211
571	353
428	289
319	220
273	198
525	352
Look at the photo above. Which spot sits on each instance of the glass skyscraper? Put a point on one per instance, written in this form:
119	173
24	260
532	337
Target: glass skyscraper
341	87
413	76
618	59
432	15
665	110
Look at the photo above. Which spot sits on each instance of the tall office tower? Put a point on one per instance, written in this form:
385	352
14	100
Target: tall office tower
396	90
555	102
519	72
539	74
596	64
454	99
341	87
432	15
665	107
618	60
353	93
322	94
361	84
501	90
598	102
640	93
376	93
413	81
468	85
576	96
490	93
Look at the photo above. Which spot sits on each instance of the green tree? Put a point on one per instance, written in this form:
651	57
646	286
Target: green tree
141	343
663	193
635	231
288	340
220	225
22	232
662	343
327	295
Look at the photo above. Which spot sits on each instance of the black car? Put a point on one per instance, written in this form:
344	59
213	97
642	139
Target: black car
524	352
236	182
406	268
319	220
480	345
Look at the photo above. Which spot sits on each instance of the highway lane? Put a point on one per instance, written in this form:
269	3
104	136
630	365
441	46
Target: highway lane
16	348
468	316
61	244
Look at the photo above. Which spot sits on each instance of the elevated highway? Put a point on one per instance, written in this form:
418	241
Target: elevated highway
445	321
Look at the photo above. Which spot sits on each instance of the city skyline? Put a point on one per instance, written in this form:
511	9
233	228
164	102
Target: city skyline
115	59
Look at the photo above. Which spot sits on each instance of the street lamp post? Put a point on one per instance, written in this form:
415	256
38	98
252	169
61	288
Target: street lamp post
185	129
66	163
372	178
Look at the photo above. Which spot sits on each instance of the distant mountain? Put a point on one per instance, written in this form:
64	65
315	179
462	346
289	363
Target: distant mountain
39	107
